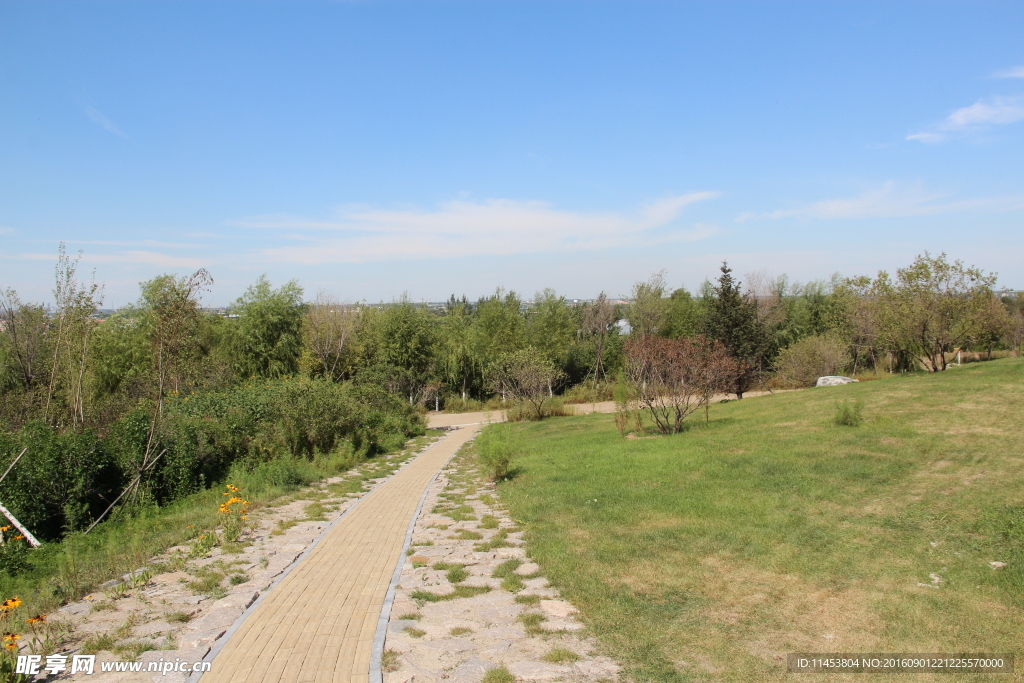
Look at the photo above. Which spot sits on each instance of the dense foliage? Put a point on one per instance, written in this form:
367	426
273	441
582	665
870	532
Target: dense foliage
162	398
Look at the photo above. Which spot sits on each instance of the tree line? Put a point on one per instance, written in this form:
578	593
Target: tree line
155	395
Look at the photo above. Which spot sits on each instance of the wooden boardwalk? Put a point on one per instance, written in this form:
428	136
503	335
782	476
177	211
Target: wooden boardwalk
318	624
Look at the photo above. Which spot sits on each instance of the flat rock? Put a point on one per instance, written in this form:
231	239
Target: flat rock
556	625
471	671
834	381
557	608
527	568
218	618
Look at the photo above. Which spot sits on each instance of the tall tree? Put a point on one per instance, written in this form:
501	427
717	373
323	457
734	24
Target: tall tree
267	339
597	322
454	351
647	309
732	319
329	328
172	315
76	304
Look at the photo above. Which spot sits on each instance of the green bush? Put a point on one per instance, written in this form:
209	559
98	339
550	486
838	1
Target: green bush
496	449
849	413
810	358
68	478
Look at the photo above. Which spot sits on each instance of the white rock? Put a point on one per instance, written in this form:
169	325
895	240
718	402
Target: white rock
834	381
527	569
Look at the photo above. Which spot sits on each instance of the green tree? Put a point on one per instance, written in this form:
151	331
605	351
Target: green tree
456	363
267	339
498	328
550	326
931	308
399	341
732	319
171	315
648	307
73	324
683	315
525	377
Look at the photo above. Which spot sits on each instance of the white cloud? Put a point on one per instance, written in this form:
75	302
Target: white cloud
1012	72
96	116
466	228
927	137
6	231
891	200
981	114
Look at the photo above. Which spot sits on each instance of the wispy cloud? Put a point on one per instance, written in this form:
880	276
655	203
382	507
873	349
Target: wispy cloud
150	258
982	114
139	243
466	228
96	116
6	231
1012	72
891	200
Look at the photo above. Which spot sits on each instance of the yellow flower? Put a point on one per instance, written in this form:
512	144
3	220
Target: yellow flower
11	646
191	526
18	537
5	528
11	637
201	538
38	619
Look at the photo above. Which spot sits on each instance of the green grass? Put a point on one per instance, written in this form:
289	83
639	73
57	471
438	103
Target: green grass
499	674
459	592
506	571
772	529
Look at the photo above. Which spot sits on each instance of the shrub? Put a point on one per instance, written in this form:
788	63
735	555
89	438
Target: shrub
496	450
810	358
849	413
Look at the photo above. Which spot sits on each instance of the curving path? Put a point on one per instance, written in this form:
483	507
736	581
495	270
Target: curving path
318	623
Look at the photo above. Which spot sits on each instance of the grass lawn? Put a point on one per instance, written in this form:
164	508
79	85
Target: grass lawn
710	554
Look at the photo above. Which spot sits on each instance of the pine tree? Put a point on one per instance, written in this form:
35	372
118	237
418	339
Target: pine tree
732	319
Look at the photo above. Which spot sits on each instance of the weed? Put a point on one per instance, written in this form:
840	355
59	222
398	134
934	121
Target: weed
459	592
389	661
456	574
489	522
178	617
237	579
466	535
129	650
560	655
411	615
97	643
103	605
499	674
460	631
530	600
414	632
849	413
506	571
498	540
531	621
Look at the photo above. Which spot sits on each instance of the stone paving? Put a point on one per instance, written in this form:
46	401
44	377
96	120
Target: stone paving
184	601
470	600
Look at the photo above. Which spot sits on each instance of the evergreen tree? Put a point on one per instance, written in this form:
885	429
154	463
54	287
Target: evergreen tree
731	318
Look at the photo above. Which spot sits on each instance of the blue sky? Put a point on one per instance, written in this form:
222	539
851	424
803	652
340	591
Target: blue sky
375	148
